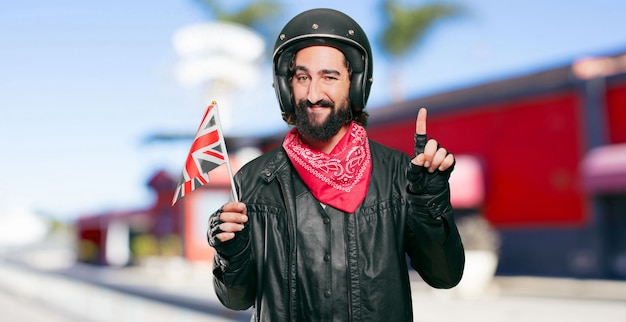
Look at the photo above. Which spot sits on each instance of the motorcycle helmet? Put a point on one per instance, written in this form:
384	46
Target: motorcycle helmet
326	27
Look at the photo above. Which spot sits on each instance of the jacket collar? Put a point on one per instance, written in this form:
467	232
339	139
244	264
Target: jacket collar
277	162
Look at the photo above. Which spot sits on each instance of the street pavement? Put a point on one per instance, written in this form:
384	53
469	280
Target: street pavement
47	285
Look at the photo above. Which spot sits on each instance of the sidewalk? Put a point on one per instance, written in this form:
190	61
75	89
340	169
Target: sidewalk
174	279
190	286
563	288
174	282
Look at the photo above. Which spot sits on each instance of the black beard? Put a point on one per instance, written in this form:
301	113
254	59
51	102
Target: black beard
325	131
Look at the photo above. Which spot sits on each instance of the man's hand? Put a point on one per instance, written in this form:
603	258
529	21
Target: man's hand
231	220
429	154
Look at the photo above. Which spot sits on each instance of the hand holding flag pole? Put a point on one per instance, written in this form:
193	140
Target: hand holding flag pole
207	152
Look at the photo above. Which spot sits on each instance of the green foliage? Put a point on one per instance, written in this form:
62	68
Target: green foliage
407	26
144	245
251	15
148	245
171	246
87	251
257	15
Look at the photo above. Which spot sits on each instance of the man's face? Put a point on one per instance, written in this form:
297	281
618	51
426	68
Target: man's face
321	86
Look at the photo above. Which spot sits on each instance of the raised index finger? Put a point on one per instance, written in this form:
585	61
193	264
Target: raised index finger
420	124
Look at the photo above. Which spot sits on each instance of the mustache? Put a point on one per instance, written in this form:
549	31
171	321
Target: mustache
322	103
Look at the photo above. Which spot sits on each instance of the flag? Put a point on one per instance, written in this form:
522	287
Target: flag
207	152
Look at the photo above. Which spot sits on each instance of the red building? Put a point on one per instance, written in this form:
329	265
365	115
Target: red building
552	150
127	237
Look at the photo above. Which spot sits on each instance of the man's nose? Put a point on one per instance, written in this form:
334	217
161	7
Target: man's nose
315	92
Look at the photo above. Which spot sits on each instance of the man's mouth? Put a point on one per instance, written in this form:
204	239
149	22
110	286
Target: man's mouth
319	104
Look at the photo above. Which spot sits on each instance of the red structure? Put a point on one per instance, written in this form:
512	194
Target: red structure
120	237
126	237
544	141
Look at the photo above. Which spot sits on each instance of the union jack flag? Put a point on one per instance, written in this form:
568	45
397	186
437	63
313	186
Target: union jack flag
207	152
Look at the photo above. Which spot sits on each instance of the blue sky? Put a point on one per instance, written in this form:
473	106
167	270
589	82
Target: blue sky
83	83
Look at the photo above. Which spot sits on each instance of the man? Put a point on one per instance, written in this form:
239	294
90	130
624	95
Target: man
326	220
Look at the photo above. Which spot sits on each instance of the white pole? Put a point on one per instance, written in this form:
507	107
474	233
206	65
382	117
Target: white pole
223	143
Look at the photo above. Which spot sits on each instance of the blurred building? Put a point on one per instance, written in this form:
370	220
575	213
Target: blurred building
541	158
128	237
552	152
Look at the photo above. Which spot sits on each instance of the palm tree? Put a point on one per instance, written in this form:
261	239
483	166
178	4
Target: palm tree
406	29
257	15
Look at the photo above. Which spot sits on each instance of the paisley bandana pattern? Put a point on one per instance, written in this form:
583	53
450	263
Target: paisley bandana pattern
339	179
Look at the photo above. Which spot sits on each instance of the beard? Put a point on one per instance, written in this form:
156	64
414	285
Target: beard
326	130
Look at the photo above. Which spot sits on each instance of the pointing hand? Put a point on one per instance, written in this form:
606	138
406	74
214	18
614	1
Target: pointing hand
429	154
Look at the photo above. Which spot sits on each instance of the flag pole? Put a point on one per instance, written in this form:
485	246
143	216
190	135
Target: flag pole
228	167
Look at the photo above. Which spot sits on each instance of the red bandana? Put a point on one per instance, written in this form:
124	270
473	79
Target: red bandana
339	179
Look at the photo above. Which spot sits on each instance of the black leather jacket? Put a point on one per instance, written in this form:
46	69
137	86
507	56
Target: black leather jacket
390	224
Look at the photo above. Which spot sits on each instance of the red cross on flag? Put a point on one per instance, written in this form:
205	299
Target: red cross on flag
207	152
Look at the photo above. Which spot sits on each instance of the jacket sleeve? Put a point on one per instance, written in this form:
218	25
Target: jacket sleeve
432	240
234	279
234	274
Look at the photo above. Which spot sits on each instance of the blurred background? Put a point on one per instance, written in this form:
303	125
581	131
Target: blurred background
99	103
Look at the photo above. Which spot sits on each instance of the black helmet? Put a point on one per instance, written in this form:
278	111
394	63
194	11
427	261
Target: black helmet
325	27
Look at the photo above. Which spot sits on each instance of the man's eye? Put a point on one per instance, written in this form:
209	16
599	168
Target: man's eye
302	79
